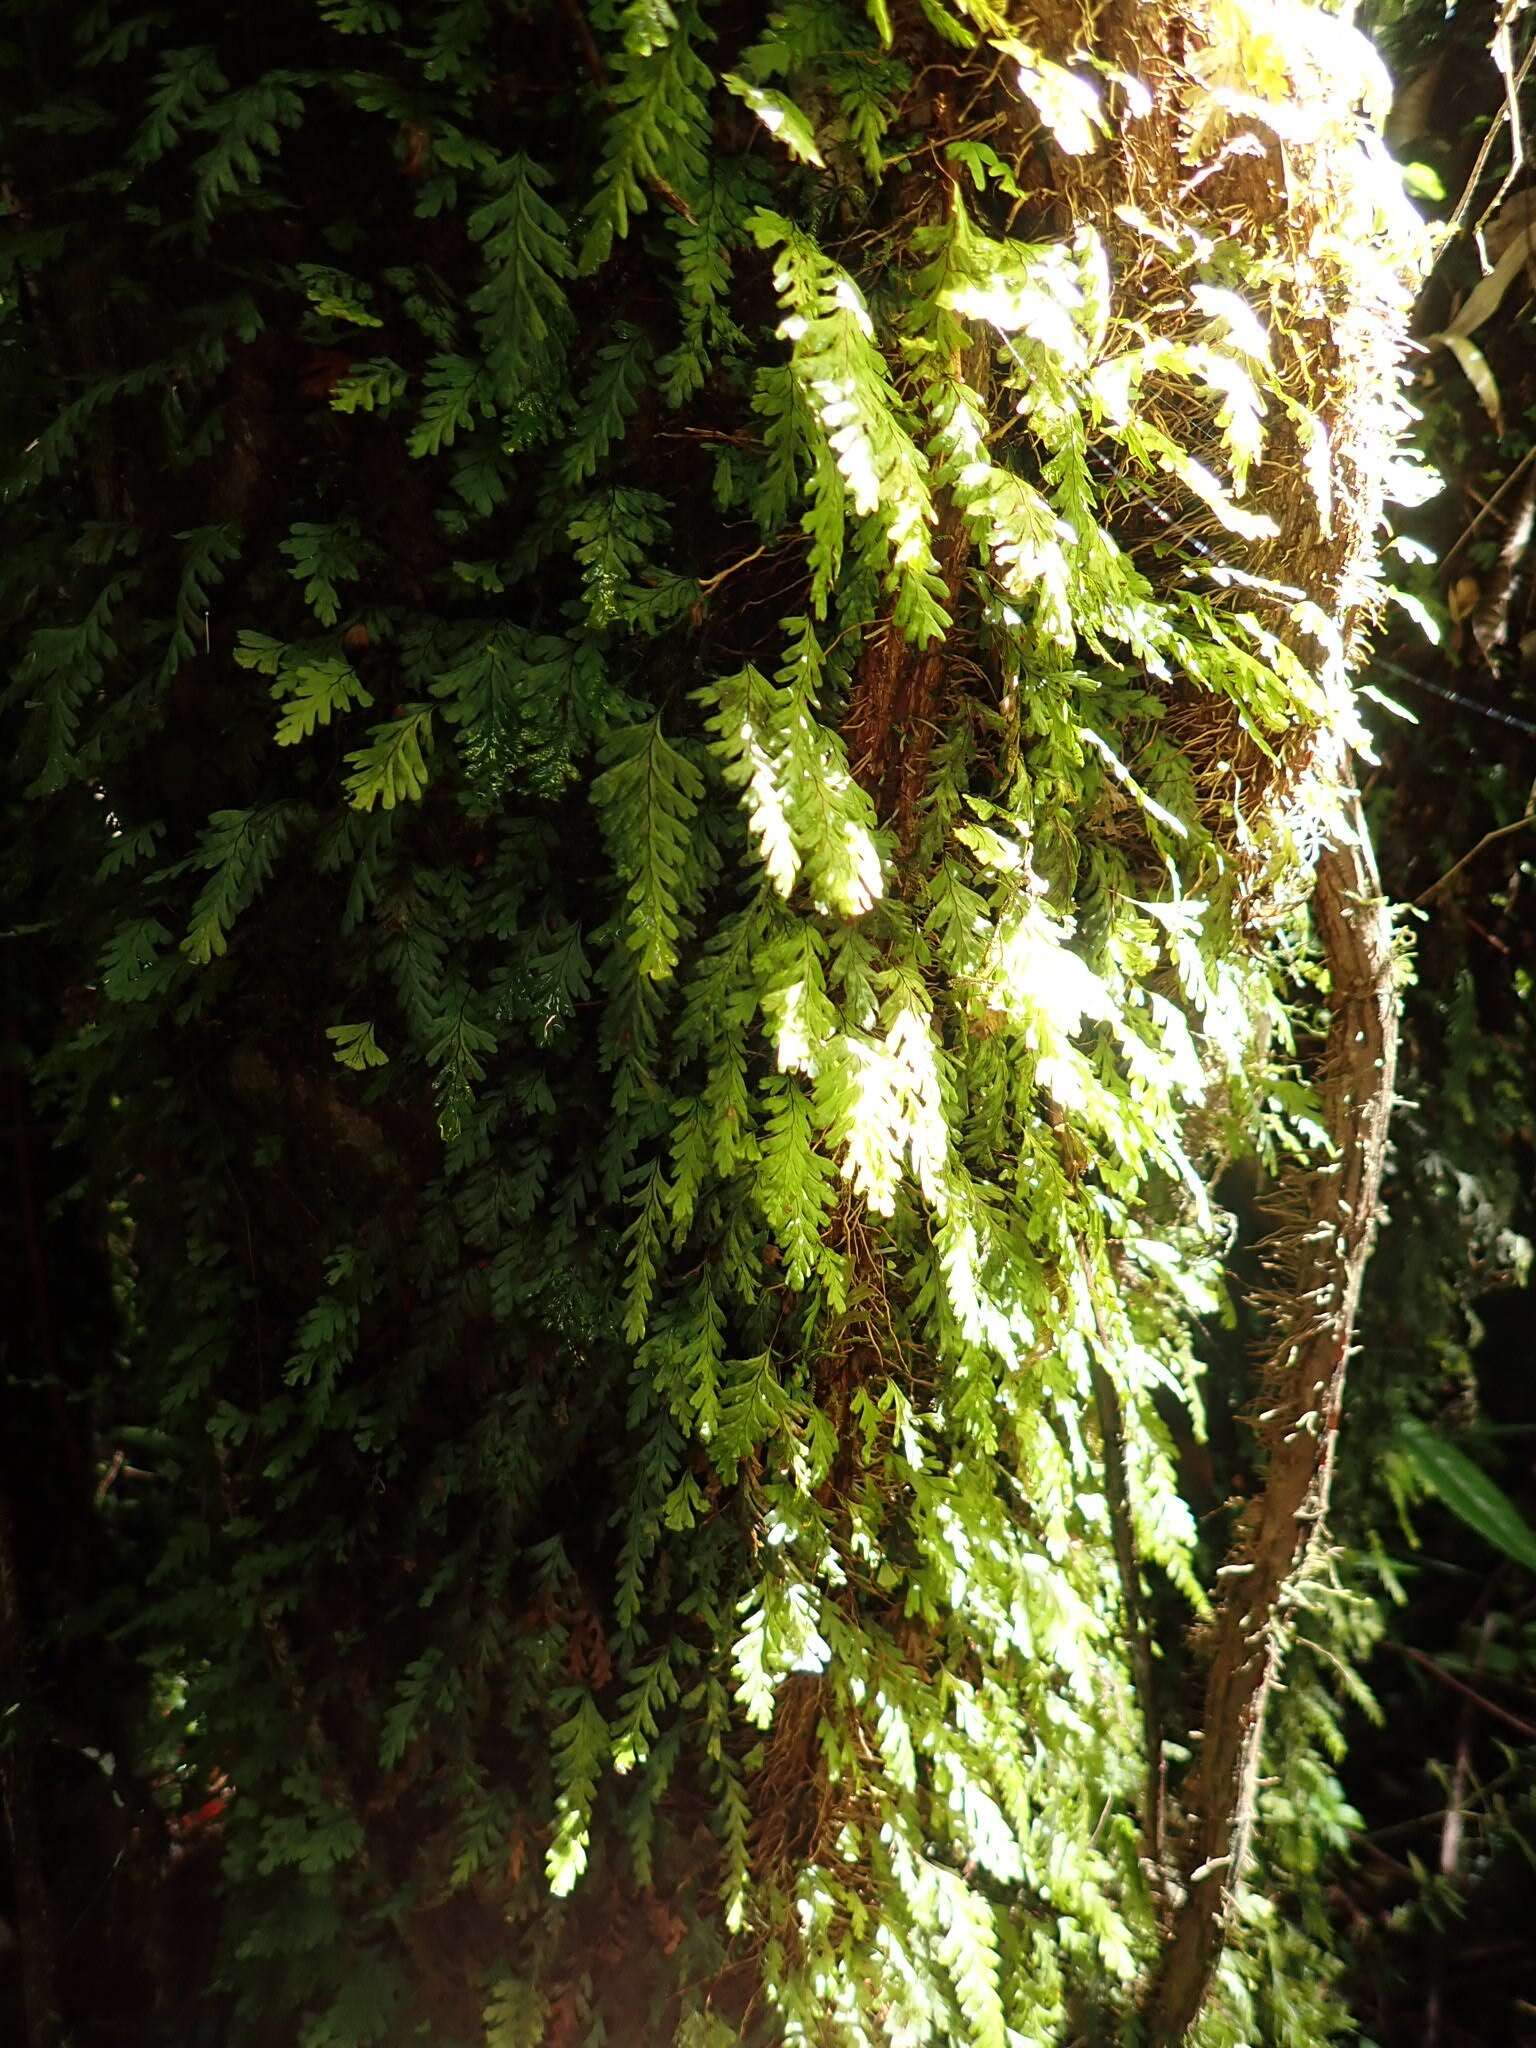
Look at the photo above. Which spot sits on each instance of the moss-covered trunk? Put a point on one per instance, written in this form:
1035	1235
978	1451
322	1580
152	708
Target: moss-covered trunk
683	675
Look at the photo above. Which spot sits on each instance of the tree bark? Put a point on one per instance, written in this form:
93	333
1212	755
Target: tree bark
1319	1260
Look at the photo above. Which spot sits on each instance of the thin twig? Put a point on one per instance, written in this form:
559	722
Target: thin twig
1460	1685
1455	1816
1502	53
1512	87
1499	832
1447	696
109	1477
1467	532
710	584
1485	935
711	434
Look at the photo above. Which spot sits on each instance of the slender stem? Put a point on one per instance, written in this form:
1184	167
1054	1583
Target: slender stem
1455	1817
1468	1692
713	583
1500	832
1509	109
1483	511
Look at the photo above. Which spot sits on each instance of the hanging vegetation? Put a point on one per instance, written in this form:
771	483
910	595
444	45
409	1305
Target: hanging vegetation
681	685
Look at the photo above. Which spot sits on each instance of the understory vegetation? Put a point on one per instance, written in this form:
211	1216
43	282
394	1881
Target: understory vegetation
727	827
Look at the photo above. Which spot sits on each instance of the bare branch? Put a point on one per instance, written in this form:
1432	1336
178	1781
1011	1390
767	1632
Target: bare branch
1527	817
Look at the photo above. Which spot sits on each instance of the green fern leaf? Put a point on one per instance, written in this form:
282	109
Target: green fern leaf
647	798
392	768
657	135
355	1046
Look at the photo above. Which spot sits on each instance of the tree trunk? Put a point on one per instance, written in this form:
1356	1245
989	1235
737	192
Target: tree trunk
1317	1259
663	662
